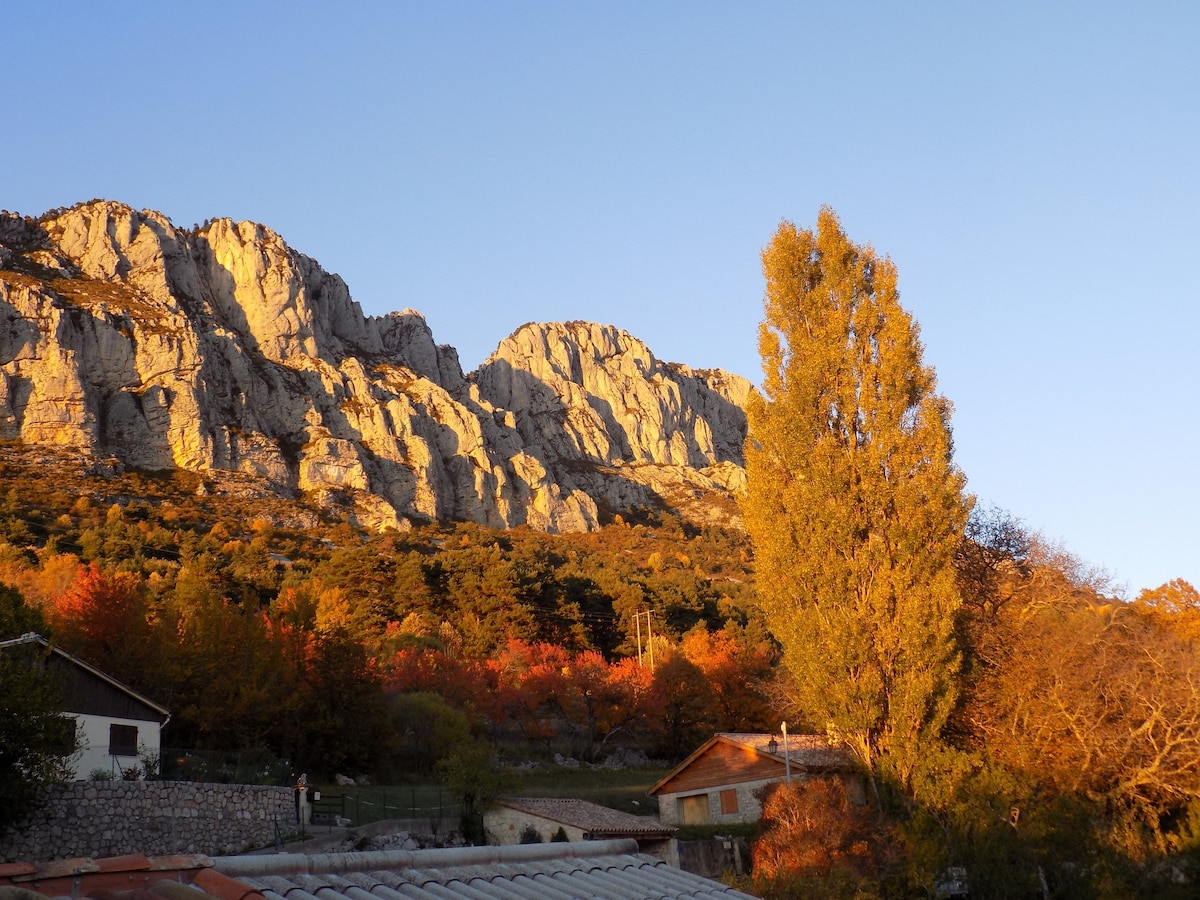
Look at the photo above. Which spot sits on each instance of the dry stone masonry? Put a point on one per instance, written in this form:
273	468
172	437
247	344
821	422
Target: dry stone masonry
113	818
221	348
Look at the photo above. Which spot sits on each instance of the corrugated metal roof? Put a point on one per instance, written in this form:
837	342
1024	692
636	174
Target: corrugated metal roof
591	817
586	869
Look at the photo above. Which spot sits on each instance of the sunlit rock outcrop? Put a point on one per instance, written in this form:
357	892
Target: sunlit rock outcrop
615	421
223	349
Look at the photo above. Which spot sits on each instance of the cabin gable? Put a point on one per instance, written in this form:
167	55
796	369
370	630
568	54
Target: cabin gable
722	763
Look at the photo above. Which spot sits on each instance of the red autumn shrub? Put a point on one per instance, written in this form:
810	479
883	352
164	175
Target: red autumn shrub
811	829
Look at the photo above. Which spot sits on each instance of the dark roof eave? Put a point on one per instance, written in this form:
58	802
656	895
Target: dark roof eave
32	638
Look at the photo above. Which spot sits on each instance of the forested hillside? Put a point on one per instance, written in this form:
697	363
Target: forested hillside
262	624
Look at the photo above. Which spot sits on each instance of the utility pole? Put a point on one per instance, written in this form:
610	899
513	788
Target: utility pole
637	621
637	617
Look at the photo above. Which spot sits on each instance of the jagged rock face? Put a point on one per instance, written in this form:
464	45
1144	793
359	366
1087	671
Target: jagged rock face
615	421
224	349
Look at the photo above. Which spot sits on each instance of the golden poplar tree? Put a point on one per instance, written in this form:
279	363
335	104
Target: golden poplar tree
854	504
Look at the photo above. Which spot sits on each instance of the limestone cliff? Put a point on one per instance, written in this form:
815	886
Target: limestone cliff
223	349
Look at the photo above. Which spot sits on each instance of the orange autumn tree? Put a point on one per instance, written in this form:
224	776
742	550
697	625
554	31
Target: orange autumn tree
1095	699
738	671
466	684
105	619
550	693
40	584
682	706
579	696
811	830
1175	605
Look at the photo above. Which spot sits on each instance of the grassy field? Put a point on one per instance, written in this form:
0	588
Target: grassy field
623	789
363	804
747	830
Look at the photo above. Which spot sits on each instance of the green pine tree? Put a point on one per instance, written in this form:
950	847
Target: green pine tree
36	739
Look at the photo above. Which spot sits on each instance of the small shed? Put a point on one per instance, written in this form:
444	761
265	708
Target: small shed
720	781
515	819
114	725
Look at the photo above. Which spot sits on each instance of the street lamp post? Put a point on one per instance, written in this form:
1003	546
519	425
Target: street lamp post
787	759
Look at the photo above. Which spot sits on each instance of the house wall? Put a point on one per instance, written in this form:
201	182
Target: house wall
503	826
92	733
156	818
749	808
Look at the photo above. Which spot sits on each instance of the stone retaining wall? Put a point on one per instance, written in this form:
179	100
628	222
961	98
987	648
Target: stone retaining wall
113	818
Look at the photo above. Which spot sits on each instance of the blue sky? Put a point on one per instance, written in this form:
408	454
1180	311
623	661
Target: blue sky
1031	168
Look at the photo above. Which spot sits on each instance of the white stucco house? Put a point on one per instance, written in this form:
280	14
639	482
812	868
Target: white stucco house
114	724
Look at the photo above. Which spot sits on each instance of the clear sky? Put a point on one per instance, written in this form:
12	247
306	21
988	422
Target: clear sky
1032	168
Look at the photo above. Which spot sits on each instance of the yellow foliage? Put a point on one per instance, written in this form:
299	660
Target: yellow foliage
853	503
334	612
39	586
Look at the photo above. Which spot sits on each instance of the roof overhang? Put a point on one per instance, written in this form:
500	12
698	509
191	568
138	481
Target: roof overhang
37	639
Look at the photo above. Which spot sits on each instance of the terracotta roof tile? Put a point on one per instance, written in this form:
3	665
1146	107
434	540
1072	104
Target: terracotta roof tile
123	894
63	868
8	870
222	886
110	878
135	862
180	862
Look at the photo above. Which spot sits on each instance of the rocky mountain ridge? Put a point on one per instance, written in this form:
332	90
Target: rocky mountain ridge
221	348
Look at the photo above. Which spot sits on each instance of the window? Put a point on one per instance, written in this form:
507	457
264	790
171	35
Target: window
122	740
729	804
694	810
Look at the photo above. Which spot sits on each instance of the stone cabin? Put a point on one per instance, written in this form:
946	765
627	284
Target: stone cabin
113	724
718	783
579	821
